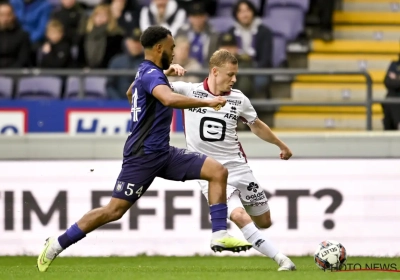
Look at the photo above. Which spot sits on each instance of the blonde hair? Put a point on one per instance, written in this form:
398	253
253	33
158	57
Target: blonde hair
221	57
56	24
112	24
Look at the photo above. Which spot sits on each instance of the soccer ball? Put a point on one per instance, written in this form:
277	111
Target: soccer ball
330	255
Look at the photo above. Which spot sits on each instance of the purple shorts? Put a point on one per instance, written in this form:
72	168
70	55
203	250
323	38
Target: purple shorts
138	173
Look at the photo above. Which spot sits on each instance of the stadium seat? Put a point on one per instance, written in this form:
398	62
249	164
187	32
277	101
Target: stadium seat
224	11
377	6
351	110
279	50
369	32
6	87
334	92
280	27
293	14
39	88
349	62
344	17
94	88
322	121
221	24
302	4
377	77
355	46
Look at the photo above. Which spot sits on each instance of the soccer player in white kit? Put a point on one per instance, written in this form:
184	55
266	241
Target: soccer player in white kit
213	132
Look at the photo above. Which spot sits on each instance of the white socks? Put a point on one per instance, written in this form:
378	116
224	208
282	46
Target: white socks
219	234
260	243
54	250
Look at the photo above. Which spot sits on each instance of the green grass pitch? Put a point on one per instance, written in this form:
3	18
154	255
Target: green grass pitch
183	268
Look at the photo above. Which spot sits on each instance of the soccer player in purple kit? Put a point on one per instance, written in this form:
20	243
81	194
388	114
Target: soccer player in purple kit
147	153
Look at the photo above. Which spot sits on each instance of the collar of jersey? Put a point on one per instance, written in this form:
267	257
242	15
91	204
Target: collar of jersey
205	85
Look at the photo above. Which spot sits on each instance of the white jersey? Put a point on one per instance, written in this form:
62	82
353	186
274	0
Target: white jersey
211	132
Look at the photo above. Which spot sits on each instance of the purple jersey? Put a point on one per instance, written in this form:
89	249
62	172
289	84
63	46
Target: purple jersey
150	119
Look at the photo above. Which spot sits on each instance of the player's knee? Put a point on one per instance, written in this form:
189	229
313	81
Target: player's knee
240	217
220	173
265	223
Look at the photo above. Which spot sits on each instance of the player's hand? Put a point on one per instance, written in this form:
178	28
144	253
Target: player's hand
175	70
217	103
286	153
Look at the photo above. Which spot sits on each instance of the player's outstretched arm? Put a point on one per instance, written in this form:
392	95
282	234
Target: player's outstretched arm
264	132
170	99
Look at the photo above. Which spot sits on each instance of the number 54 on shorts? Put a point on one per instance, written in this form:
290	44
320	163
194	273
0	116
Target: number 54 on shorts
133	191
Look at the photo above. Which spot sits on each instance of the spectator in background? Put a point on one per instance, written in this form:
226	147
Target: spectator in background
102	40
162	12
391	120
126	13
56	51
324	10
254	40
73	18
133	56
203	40
14	41
33	16
182	57
210	5
243	83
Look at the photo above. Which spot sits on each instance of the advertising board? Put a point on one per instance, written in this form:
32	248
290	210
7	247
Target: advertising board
355	202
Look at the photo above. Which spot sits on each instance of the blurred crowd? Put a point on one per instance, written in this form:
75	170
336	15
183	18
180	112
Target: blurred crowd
106	34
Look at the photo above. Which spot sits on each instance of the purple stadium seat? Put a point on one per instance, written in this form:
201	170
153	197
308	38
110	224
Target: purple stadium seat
279	51
280	26
226	3
304	5
224	11
6	87
39	88
221	24
94	88
291	14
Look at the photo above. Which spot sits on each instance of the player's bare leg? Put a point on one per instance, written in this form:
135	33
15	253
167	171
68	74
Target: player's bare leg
250	226
92	220
217	176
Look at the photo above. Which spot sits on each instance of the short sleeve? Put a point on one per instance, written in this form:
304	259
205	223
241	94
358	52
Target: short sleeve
248	115
153	78
182	88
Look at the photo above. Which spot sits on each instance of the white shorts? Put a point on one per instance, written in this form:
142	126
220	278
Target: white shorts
243	191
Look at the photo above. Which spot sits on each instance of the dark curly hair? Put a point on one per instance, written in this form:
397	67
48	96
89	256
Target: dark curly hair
153	35
248	3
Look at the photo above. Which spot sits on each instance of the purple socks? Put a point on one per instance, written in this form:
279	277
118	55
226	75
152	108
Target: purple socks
71	236
219	214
